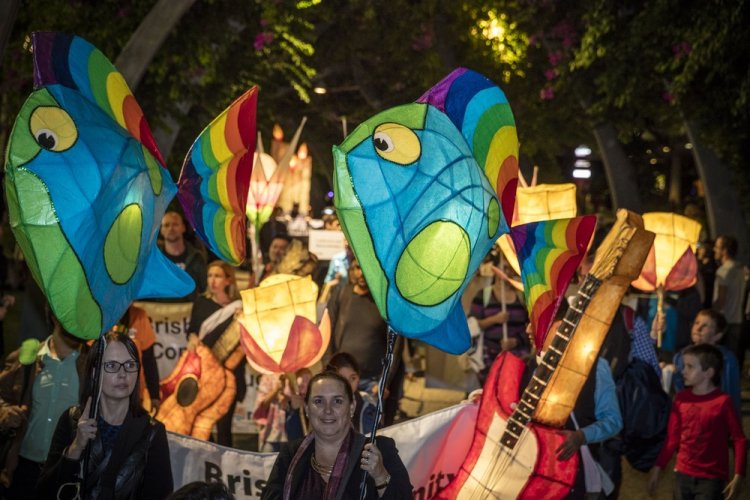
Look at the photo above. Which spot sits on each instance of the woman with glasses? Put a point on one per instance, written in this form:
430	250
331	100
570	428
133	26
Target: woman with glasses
121	452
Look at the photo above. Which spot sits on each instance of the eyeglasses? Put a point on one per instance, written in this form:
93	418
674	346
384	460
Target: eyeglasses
114	366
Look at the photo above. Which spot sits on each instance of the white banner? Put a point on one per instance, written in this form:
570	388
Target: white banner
170	322
432	447
325	243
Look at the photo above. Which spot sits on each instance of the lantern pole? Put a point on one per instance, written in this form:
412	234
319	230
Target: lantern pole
387	360
503	305
659	311
96	380
292	378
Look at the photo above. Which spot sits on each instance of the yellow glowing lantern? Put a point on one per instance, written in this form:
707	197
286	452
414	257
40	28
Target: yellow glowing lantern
671	264
539	203
277	326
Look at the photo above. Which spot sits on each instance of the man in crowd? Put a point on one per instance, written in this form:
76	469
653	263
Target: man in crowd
358	328
38	383
276	252
181	252
729	288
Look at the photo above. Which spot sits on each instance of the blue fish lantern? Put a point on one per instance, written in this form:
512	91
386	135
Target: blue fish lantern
86	189
423	191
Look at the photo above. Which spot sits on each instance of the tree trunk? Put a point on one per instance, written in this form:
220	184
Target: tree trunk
723	207
148	38
675	180
619	171
8	14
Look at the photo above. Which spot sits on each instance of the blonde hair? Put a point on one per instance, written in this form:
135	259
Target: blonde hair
228	270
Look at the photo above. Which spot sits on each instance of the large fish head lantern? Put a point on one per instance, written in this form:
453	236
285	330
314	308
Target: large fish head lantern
86	189
423	191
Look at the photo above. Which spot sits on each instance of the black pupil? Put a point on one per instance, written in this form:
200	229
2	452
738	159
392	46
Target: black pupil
45	140
381	144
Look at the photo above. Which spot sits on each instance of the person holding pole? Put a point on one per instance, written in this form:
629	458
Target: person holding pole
327	463
117	450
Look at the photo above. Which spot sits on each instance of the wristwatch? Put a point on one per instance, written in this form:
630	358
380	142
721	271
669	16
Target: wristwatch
384	483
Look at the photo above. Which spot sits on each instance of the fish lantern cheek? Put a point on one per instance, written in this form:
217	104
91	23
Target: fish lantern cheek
396	143
53	128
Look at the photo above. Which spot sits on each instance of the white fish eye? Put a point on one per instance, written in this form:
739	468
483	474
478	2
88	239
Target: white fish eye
383	142
46	138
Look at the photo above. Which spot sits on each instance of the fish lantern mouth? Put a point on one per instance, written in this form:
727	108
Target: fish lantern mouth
426	277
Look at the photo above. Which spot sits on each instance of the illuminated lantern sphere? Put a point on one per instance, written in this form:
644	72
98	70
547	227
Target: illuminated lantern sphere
539	203
277	326
671	264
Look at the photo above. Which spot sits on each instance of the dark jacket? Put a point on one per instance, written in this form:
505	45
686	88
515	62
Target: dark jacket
399	487
16	383
136	467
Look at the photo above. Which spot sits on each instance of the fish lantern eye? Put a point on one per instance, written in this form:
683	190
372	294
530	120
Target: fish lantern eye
396	143
53	128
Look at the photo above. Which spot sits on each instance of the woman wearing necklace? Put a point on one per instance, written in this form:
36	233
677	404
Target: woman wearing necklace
212	313
328	462
128	455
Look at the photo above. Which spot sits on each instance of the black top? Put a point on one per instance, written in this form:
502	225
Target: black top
399	488
136	466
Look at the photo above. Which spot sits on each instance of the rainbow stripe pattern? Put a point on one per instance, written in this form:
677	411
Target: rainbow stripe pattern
549	253
74	63
423	191
482	113
215	178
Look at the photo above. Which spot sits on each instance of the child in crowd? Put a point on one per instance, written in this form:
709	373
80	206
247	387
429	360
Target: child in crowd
701	421
364	414
708	328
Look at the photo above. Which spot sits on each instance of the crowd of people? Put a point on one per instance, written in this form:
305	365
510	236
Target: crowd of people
59	433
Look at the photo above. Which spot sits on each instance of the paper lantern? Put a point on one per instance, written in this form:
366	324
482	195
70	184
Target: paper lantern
277	325
86	189
671	264
550	252
422	192
539	203
202	387
215	179
576	344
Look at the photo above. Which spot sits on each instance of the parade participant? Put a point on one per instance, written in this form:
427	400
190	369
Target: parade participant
128	454
500	307
181	252
708	328
701	422
324	463
729	290
276	251
212	313
345	365
137	326
358	328
38	383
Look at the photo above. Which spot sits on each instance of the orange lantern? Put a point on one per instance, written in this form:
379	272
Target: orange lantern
278	330
671	264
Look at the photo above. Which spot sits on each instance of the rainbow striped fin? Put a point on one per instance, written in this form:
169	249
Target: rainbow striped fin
480	110
71	61
549	253
215	178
